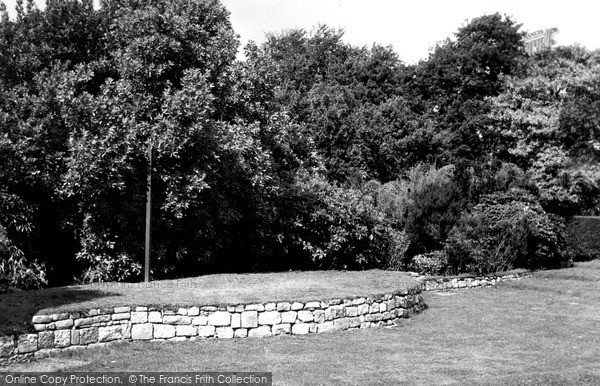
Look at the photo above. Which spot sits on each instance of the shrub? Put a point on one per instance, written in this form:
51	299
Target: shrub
505	231
426	205
432	263
583	237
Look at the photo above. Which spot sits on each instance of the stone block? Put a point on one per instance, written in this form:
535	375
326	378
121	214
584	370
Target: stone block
358	301
121	310
305	316
164	331
236	321
27	343
138	317
325	327
141	308
224	332
45	340
289	317
142	331
319	316
240	333
201	320
270	306
155	317
352	311
284	306
120	316
62	338
98	319
363	309
88	335
60	316
296	306
280	329
7	346
249	319
193	311
313	305
83	322
40	327
260	332
74	337
176	319
269	318
374	308
186	330
206	331
41	319
209	308
64	324
183	311
300	328
335	312
107	334
219	318
346	323
126	331
255	307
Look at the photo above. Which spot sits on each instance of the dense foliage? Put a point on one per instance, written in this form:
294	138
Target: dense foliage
310	153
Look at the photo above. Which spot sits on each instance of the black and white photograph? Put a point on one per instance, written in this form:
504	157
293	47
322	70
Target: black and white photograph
299	192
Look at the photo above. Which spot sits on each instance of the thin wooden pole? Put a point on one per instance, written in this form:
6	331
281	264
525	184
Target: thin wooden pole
148	216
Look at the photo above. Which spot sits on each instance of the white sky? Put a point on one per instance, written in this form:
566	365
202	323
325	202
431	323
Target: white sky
411	27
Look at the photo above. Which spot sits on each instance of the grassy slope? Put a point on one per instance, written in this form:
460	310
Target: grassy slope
17	308
544	330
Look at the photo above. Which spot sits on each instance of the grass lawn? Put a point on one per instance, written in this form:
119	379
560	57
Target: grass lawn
16	309
543	330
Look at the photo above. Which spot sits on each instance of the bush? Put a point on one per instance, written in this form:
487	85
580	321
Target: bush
426	205
583	237
505	231
432	263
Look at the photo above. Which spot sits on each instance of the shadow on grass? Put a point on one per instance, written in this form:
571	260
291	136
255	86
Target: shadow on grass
17	308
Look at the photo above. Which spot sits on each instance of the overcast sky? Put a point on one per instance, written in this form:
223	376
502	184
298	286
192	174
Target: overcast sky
411	27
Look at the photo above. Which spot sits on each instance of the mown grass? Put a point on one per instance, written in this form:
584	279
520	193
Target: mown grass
16	309
543	330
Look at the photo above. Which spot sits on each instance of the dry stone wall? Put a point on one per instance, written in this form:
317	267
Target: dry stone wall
441	283
95	327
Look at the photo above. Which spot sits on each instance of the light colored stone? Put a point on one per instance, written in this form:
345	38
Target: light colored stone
259	332
141	309
284	306
280	329
236	321
313	305
176	319
40	327
249	319
138	317
209	308
335	312
382	307
206	331
193	311
352	311
270	306
224	332
325	327
201	320
126	331
142	331
97	319
7	346
88	335
64	324
319	316
83	322
27	343
183	311
346	323
155	317
312	328
374	308
164	331
305	316
269	318
296	306
62	338
41	319
239	308
219	318
74	337
300	328
357	301
120	316
106	334
121	310
186	330
365	325
240	333
289	317
363	309
255	307
60	316
230	309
